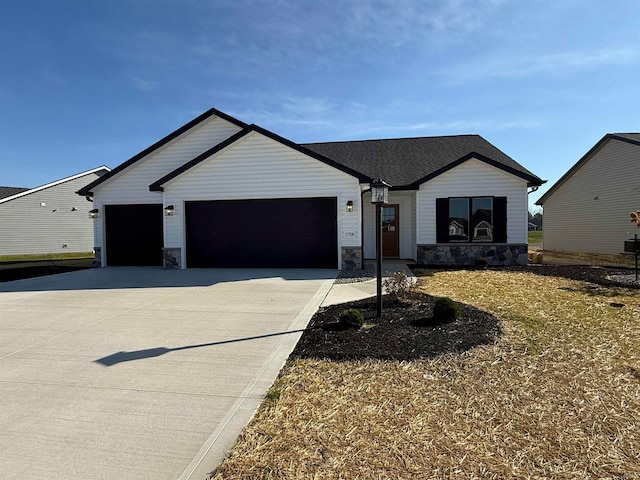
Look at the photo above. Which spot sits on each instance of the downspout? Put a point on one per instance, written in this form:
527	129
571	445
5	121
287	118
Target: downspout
362	266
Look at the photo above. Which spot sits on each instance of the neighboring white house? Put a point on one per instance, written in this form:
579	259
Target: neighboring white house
218	192
47	219
587	210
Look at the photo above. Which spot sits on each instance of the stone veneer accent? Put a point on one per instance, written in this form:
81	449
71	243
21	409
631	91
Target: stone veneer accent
171	256
351	258
97	256
466	254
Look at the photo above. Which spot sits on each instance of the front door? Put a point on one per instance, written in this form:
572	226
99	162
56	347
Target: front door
390	231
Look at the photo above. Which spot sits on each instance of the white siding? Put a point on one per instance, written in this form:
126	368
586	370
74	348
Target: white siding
27	227
473	178
131	186
406	201
589	212
257	167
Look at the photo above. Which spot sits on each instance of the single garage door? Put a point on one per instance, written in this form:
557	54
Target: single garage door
280	233
133	235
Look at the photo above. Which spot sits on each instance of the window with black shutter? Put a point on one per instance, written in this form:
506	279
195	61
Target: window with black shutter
471	220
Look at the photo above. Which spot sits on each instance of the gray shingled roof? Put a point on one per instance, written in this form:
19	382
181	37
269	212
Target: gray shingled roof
405	162
10	191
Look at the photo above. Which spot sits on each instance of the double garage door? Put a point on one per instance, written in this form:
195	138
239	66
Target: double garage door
286	233
268	233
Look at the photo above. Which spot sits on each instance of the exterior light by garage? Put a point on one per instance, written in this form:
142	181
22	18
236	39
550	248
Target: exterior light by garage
379	196
93	213
350	206
169	210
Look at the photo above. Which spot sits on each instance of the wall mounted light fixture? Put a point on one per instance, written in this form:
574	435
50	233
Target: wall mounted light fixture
93	213
169	210
350	206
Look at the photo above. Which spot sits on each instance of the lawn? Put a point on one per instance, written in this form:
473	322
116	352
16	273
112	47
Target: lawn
555	395
44	257
535	236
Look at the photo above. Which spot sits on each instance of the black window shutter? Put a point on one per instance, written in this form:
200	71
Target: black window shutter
442	220
500	219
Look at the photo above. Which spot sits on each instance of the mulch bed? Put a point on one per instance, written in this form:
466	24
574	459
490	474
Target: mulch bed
406	331
585	273
11	274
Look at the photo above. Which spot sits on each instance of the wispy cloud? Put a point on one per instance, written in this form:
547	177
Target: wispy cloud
313	116
552	64
141	84
449	127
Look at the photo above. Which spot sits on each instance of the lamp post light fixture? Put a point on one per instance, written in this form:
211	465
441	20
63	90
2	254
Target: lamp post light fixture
379	196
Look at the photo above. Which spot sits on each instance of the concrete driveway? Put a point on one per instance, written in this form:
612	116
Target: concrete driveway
141	373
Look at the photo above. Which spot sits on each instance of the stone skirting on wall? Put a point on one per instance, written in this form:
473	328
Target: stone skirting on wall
97	256
351	258
171	257
467	254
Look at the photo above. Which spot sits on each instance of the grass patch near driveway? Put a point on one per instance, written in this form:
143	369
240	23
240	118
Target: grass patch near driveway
556	396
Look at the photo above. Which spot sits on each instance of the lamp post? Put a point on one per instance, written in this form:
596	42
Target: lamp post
379	196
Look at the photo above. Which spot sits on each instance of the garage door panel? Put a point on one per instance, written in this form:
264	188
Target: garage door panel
295	233
134	235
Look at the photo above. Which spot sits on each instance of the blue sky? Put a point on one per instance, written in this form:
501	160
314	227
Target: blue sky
87	83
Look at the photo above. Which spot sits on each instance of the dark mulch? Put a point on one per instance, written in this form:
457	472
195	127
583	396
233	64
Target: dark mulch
10	274
405	331
586	273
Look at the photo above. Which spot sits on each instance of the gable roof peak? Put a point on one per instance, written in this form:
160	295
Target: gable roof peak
200	119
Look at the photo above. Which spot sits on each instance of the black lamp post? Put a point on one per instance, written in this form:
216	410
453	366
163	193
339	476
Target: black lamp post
379	197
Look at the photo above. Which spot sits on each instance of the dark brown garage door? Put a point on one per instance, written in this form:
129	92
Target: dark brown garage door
133	235
284	233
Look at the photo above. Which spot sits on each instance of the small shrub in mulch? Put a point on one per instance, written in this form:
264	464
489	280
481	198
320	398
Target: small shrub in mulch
351	318
398	284
445	310
407	330
481	263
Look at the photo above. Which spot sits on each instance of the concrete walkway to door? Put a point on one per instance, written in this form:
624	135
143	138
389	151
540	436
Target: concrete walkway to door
141	373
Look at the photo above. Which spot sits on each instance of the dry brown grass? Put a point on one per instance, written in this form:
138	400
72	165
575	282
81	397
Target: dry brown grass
558	396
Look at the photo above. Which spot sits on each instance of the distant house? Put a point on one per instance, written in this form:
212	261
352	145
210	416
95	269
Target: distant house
218	192
47	219
587	210
456	229
483	231
532	226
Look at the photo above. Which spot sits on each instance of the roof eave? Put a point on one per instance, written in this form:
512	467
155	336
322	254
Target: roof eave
88	190
53	184
158	186
273	136
592	151
532	180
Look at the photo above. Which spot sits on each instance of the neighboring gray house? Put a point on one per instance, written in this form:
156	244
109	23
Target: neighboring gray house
587	210
218	192
47	219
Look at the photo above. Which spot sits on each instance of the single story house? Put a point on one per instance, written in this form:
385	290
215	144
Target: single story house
218	192
587	210
47	219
